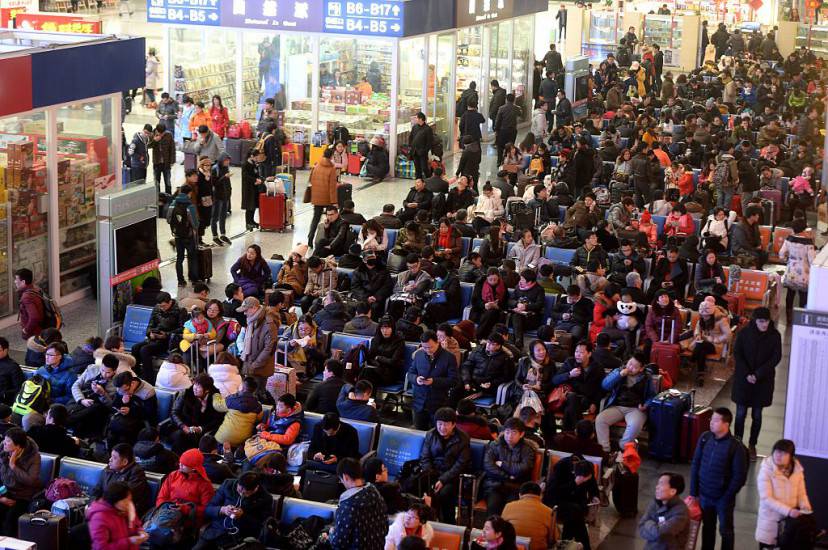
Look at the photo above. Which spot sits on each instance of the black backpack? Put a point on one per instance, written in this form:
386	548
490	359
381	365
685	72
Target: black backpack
180	222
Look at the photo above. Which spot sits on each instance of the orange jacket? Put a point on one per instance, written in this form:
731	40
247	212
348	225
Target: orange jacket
198	119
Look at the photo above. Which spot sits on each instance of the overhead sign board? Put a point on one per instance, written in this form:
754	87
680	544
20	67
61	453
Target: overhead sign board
472	12
55	22
365	17
285	15
185	12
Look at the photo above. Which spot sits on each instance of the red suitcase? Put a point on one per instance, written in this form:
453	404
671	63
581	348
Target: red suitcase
695	422
774	195
667	355
272	212
736	204
354	164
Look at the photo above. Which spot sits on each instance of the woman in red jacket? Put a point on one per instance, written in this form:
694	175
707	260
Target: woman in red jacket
188	484
113	522
219	116
679	223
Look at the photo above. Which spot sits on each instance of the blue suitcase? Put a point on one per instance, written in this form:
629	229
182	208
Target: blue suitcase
666	412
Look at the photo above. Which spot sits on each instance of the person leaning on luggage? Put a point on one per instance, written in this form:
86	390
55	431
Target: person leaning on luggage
666	524
445	456
508	462
717	473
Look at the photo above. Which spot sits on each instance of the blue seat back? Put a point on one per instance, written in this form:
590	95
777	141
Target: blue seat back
561	213
595	142
344	272
166	400
136	321
397	446
509	246
85	472
548	305
478	451
28	372
48	465
154	481
625	142
392	238
366	431
476	244
559	255
466	291
340	340
275	267
355	229
309	422
293	508
410	348
465	246
660	221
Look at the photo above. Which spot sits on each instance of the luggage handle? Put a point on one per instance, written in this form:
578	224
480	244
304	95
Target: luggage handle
41	517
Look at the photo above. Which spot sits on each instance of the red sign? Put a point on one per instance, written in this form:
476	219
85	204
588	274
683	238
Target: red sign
134	272
8	14
15	85
53	22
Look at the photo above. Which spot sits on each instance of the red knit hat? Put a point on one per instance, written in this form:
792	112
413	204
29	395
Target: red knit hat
646	217
194	460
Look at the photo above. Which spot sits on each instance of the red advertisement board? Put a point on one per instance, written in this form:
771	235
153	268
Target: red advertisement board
8	14
53	22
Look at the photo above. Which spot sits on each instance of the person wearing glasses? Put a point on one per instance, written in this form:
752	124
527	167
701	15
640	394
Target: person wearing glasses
58	371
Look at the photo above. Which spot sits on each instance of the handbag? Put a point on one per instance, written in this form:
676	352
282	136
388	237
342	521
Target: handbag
257	446
557	397
529	399
796	533
306	198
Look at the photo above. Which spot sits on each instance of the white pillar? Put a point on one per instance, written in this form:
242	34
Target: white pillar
51	202
395	93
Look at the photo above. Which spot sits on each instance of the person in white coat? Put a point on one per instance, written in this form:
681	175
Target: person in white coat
174	374
412	522
526	252
152	78
540	125
225	374
781	482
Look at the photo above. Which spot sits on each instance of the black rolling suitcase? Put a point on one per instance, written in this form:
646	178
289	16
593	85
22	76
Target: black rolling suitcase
204	256
47	530
321	486
625	492
344	192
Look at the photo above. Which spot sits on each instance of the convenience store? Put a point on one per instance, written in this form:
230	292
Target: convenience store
324	64
60	146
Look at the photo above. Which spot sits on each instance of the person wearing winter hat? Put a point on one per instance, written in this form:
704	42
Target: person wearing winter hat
188	485
711	334
352	259
757	351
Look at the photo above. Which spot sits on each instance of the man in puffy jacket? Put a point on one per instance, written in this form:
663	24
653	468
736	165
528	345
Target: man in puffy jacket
354	402
59	372
122	467
624	262
139	153
239	504
487	367
509	462
371	283
166	319
419	198
446	454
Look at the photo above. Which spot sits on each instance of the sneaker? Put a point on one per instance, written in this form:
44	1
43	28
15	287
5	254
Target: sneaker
218	241
226	239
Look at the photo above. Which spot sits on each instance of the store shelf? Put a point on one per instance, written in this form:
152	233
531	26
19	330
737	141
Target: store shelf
76	246
73	269
79	224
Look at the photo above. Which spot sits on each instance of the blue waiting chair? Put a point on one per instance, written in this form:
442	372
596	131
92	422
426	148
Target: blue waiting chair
84	472
154	481
293	508
392	238
275	267
559	255
397	446
48	467
465	246
660	221
166	401
134	327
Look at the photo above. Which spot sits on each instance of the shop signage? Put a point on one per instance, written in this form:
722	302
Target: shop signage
365	17
134	272
471	12
7	15
288	15
53	22
185	12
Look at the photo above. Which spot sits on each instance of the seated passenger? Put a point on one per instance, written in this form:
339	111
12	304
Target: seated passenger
187	486
122	467
509	462
585	377
410	523
323	396
59	372
225	374
20	474
486	367
115	346
214	464
93	392
243	504
52	437
332	440
251	272
354	402
195	414
136	403
445	455
285	421
174	374
151	455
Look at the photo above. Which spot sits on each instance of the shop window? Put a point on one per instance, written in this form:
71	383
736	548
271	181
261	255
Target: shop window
522	66
412	64
23	214
86	166
355	86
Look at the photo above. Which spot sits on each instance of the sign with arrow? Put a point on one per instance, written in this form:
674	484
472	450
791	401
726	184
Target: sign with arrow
365	17
185	12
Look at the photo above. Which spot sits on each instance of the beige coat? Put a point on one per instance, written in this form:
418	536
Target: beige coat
533	519
296	276
778	493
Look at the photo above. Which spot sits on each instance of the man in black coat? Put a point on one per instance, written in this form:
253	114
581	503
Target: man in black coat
371	282
487	366
497	101
584	163
552	59
332	440
470	122
242	504
418	198
445	455
563	111
421	139
122	467
573	313
658	65
505	125
322	398
11	375
585	377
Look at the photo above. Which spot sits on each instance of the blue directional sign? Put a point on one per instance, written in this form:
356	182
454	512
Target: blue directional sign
184	12
365	17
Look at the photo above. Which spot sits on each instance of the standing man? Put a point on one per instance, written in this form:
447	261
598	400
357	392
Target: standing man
163	156
757	351
183	219
257	354
32	309
468	95
207	144
167	111
421	139
498	100
362	517
435	371
563	112
505	125
666	523
323	190
139	153
717	473
658	66
561	17
552	59
705	40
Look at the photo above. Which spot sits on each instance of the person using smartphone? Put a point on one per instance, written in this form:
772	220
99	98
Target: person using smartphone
113	520
238	509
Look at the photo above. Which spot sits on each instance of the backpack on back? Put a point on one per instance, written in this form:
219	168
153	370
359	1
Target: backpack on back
52	316
33	396
721	175
180	222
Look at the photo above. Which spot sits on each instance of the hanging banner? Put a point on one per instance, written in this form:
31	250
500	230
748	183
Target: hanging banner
54	22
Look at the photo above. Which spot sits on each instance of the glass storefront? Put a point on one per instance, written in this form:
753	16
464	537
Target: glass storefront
523	66
469	60
53	182
355	85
